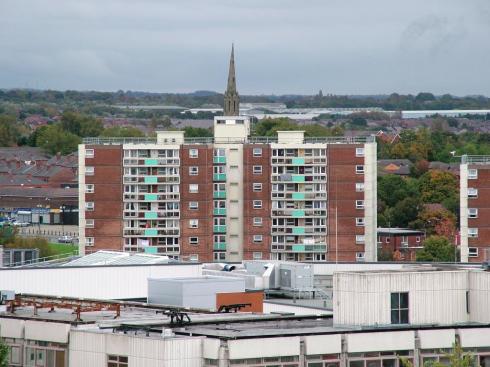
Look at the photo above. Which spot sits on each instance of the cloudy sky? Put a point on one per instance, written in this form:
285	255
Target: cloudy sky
282	46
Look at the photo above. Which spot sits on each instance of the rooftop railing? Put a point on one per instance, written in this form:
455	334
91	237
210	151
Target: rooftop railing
231	140
475	159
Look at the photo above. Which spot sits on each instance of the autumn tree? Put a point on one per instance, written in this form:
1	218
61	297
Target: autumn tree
436	186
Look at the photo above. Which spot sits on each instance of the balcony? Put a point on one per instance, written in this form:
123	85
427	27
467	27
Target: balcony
219	194
151	215
160	197
151	197
298	161
219	229
219	177
151	232
148	162
298	230
308	248
298	196
298	213
219	160
151	179
219	246
219	211
282	230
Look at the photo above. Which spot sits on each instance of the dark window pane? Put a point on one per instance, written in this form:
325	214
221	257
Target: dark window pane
376	363
123	359
395	317
403	300
404	317
356	364
389	362
394	300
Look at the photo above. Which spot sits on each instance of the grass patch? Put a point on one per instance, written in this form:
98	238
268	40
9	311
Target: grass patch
62	248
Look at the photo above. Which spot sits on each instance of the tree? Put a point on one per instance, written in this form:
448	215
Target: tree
54	139
438	249
197	132
436	186
81	125
122	131
4	354
9	133
436	221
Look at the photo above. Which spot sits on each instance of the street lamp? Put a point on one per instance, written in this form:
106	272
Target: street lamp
62	217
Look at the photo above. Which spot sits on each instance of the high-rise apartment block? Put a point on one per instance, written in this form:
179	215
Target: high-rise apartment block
475	208
231	197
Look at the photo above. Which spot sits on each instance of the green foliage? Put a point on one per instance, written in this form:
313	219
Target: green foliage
456	358
270	127
4	354
393	189
197	132
385	255
438	249
437	186
9	132
122	131
54	139
81	125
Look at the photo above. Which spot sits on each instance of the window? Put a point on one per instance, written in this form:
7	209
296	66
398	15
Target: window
193	223
257	152
219	256
399	308
473	251
193	171
359	152
417	239
472	174
359	256
360	222
472	213
359	239
258	238
473	232
193	257
257	204
15	355
89	188
219	152
359	186
257	187
257	255
257	170
89	206
257	221
193	153
193	205
89	171
89	153
117	361
359	204
193	188
472	193
193	240
359	169
89	241
388	239
89	223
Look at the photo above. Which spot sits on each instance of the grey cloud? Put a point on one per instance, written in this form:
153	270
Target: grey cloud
282	46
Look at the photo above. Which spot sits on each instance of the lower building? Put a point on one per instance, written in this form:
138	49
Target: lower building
399	244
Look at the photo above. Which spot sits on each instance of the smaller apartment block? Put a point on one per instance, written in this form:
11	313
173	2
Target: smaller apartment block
231	197
475	208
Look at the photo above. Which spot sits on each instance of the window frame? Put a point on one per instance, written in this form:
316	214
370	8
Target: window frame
192	151
194	241
359	169
89	170
473	176
397	305
91	221
191	207
360	152
193	223
257	187
193	188
89	241
257	170
256	223
259	150
89	206
91	190
360	222
258	238
257	204
475	253
193	171
91	154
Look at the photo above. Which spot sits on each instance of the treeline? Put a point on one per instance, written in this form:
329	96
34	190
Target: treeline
392	102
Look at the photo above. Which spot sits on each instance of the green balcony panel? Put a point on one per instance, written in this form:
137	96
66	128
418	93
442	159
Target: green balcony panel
219	246
298	178
151	197
298	195
298	161
151	179
151	232
151	162
219	177
219	194
219	159
220	211
151	215
298	230
219	229
299	248
151	250
298	213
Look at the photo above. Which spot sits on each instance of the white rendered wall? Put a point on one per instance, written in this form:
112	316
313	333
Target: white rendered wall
81	199
370	202
434	297
463	210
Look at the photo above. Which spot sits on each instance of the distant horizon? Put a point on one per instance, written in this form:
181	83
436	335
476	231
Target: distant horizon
241	94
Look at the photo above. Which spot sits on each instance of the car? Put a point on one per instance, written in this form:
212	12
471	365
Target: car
21	224
65	239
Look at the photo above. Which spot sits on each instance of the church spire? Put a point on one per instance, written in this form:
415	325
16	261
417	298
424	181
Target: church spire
232	100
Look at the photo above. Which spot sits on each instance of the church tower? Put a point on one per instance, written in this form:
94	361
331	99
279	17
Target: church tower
232	100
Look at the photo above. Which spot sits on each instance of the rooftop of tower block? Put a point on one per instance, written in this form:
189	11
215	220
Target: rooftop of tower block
475	159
